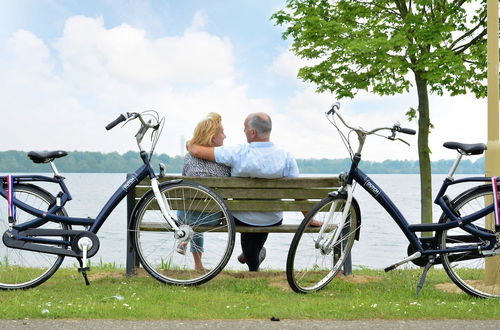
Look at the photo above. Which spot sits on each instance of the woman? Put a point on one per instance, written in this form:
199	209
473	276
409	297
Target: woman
210	133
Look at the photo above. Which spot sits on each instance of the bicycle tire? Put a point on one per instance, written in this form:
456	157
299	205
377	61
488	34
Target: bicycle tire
309	267
468	269
22	269
193	204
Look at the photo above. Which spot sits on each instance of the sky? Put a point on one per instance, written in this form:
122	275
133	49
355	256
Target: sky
68	68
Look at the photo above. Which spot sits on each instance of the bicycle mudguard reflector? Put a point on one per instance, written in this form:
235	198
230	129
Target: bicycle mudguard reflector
11	208
495	202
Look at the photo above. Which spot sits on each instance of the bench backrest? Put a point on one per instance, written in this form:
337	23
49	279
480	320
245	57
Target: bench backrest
251	194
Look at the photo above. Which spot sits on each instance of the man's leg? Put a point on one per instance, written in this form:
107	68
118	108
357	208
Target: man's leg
251	244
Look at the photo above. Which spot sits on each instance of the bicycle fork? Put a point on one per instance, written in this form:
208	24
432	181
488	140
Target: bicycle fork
327	245
165	210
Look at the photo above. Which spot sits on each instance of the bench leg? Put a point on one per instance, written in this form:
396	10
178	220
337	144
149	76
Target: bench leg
348	262
131	255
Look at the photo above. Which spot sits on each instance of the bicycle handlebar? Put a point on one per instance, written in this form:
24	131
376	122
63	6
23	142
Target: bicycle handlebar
118	120
408	131
395	128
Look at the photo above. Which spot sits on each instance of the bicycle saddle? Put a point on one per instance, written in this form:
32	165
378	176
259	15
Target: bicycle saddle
466	149
46	156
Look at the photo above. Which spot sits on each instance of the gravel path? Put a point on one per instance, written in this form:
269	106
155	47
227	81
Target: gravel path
249	324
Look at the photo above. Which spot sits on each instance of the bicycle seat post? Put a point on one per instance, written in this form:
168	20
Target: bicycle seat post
54	169
454	166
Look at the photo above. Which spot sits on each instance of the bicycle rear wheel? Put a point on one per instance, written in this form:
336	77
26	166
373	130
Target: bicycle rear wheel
209	227
21	269
474	273
313	262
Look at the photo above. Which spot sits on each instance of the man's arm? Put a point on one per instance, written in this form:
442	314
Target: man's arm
201	151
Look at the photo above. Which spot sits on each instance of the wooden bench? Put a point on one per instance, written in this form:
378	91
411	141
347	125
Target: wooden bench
252	194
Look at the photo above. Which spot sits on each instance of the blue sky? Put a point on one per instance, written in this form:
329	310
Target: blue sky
69	67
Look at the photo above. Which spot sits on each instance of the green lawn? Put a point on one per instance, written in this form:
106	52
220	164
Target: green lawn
368	294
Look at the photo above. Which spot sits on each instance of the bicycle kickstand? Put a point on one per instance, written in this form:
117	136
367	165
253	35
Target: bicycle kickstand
83	270
430	263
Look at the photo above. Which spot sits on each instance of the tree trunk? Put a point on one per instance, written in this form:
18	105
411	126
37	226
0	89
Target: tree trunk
424	151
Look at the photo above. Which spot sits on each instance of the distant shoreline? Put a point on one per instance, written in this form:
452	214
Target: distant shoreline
96	162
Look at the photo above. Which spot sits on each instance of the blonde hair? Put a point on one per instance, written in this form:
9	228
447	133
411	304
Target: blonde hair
206	129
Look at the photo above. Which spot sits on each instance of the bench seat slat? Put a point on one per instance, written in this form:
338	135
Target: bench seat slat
241	229
263	193
214	182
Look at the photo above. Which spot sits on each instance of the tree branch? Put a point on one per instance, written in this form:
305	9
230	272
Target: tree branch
467	34
464	47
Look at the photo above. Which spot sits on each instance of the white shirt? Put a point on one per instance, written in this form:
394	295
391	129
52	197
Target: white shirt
258	160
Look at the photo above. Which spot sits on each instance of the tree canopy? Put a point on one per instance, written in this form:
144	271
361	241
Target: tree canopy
374	44
388	46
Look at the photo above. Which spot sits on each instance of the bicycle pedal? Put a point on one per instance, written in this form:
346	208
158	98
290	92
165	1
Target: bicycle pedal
83	269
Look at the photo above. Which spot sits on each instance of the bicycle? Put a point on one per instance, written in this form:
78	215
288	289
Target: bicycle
38	233
466	237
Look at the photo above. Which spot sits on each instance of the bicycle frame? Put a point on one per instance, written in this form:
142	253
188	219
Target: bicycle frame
409	230
93	224
65	196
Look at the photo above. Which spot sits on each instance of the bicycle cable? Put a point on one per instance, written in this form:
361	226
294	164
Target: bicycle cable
345	140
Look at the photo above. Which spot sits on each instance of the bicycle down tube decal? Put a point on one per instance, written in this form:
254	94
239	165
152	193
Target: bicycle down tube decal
495	197
11	208
372	188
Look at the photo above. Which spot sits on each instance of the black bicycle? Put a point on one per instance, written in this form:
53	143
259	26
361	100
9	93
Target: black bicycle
465	241
38	233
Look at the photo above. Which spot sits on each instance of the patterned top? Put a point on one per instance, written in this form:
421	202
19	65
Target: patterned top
200	167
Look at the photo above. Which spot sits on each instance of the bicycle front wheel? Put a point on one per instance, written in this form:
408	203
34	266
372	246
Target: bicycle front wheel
315	257
22	269
209	234
476	274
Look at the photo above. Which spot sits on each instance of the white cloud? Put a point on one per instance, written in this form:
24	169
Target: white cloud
61	95
461	118
91	74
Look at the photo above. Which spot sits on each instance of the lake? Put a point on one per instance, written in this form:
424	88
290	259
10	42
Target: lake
381	242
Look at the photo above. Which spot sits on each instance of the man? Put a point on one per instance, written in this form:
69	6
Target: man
258	159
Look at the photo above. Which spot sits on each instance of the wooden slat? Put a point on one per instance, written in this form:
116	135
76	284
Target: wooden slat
269	205
244	206
240	229
302	182
263	193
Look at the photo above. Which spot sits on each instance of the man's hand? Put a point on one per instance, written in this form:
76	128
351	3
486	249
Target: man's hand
200	151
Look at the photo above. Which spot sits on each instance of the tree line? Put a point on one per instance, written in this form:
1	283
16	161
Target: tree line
97	162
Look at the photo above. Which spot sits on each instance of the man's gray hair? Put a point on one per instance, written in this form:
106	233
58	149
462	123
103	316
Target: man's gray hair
262	123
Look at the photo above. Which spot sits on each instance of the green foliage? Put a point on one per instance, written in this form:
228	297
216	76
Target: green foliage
86	162
96	162
374	45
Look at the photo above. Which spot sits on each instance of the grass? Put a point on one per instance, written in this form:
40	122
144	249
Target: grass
368	294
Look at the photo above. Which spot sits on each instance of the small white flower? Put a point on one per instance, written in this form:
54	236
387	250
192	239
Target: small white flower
374	306
45	311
